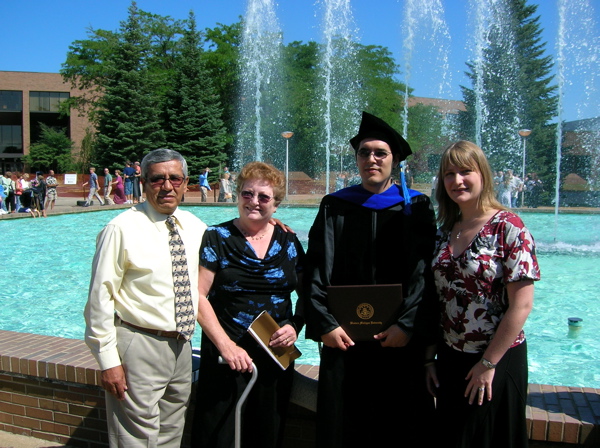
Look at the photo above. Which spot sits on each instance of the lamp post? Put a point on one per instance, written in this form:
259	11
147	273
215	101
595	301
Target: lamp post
524	133
287	135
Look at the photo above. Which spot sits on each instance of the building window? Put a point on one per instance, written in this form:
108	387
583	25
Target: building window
11	101
11	139
46	101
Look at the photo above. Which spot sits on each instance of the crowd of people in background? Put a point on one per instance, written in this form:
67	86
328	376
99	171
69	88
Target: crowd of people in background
21	193
512	191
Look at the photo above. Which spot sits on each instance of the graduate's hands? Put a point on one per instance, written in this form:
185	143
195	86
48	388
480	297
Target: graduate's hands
393	337
337	338
431	379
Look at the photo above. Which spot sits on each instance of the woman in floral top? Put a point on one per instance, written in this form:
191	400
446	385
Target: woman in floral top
484	268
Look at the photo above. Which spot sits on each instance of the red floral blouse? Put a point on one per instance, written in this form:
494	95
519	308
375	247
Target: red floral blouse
471	287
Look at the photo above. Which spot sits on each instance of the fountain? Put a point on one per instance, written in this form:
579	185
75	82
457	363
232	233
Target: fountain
494	39
261	99
425	42
427	36
341	108
577	54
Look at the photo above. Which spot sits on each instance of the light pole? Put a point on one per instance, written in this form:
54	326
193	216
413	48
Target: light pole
524	133
287	135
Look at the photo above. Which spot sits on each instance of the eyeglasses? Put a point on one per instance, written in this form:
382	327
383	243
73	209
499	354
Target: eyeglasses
262	198
159	181
378	155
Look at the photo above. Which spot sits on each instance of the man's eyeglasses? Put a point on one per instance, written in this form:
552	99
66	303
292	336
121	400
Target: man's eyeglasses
379	155
159	181
262	198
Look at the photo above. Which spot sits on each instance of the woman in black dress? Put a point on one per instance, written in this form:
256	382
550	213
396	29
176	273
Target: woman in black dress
247	265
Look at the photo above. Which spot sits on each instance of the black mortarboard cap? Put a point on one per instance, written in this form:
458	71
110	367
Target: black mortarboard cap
374	127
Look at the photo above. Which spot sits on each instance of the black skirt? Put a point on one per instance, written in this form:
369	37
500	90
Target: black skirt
219	389
498	423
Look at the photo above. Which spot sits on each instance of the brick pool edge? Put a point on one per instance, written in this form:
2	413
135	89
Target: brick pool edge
50	389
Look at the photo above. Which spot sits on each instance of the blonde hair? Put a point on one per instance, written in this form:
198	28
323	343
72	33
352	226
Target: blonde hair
266	172
464	154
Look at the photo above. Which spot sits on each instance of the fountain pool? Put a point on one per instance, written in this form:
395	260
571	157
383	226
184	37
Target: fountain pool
44	288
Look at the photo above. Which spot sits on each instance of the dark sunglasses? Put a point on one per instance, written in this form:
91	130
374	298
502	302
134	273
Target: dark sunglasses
159	181
262	198
379	155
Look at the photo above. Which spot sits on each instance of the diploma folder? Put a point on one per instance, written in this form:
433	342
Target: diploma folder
261	329
365	310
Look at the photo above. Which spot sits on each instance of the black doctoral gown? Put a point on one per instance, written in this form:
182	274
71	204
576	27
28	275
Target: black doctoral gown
370	395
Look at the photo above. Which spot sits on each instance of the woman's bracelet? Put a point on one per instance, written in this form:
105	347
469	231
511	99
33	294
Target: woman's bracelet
429	362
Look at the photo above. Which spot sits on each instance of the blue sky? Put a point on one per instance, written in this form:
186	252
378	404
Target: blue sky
36	34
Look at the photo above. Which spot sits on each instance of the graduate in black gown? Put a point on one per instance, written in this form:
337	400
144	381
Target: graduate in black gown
373	392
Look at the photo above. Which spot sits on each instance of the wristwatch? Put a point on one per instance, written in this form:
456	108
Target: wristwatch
490	365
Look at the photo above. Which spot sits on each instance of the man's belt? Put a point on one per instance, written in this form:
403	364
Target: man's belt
164	334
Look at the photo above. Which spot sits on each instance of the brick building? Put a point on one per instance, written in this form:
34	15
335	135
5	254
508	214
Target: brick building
26	100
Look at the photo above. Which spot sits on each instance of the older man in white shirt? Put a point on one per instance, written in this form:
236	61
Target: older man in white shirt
131	323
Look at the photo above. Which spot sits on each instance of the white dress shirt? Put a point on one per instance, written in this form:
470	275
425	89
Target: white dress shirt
132	276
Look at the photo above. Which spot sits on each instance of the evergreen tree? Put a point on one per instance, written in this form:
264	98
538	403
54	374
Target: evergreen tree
516	91
193	112
129	110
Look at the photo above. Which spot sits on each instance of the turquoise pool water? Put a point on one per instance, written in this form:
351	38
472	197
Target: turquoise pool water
44	288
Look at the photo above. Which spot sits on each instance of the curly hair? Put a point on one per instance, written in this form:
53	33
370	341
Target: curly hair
266	172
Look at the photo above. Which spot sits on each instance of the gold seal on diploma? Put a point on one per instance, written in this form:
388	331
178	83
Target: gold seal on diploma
365	311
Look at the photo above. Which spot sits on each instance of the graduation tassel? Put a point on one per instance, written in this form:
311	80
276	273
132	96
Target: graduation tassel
405	192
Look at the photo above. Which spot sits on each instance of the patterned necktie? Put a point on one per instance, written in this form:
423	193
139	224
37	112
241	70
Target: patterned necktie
184	308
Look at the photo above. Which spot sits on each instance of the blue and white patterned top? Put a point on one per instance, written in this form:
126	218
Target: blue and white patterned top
245	285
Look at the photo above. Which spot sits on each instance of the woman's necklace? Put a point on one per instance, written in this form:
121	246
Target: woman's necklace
247	235
254	238
471	224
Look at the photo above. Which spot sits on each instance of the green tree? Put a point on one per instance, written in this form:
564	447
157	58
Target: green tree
193	112
300	77
87	66
383	94
86	69
426	135
129	110
222	57
83	158
516	91
51	151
